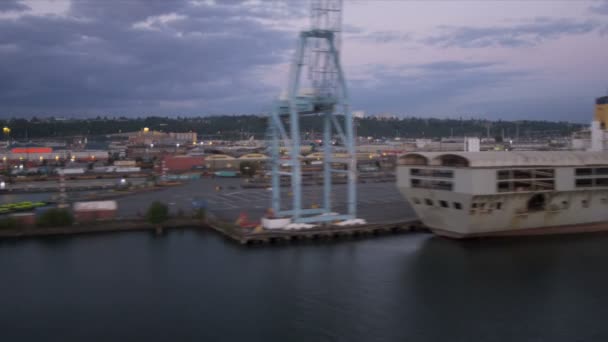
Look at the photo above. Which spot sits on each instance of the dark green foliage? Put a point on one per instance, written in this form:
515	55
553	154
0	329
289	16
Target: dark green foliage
244	126
157	213
200	214
8	223
55	217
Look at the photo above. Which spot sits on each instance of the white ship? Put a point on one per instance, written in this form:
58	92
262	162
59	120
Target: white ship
469	194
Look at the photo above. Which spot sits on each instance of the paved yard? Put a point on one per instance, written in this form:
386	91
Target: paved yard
377	202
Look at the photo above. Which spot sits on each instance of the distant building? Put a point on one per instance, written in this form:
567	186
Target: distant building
187	137
182	163
386	116
359	114
89	155
149	138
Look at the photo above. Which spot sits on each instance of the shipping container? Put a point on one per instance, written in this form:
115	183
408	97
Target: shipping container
24	219
30	150
94	211
95	205
127	169
186	176
71	171
125	163
226	174
183	163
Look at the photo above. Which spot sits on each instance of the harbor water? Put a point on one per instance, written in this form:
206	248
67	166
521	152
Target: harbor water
195	286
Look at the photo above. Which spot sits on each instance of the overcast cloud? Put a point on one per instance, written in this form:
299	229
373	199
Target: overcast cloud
542	60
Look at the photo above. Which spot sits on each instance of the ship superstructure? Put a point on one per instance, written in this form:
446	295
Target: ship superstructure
466	194
480	193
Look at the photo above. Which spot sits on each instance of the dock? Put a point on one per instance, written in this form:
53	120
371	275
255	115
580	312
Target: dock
246	236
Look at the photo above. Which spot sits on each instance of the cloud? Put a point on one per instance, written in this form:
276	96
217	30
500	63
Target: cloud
526	34
455	65
97	59
600	8
189	57
13	5
124	11
431	88
380	36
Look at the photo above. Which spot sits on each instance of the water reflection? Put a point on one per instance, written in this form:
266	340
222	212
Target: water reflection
195	285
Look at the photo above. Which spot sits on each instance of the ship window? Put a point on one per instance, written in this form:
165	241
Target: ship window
522	186
482	205
584	182
503	174
565	204
416	200
536	203
457	205
522	174
544	185
585	203
443	203
544	173
601	182
584	171
601	171
429	184
437	173
428	201
498	205
441	185
474	205
443	173
504	186
415	172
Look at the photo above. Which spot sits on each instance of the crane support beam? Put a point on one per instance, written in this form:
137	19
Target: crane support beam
317	52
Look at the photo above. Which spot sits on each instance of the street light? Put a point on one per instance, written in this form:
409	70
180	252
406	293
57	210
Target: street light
7	133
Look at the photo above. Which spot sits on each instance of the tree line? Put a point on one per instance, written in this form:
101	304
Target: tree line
244	126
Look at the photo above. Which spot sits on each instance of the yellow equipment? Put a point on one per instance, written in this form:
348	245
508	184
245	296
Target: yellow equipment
601	111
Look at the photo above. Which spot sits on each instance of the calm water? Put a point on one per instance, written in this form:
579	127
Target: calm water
194	286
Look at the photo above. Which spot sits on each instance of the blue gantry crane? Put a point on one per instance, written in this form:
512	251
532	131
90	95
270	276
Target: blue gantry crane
323	93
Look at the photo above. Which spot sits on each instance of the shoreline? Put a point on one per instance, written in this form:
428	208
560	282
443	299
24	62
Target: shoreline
101	227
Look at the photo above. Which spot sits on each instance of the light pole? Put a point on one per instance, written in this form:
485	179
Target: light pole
7	132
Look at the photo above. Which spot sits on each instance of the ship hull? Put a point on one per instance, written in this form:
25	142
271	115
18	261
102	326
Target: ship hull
553	230
564	213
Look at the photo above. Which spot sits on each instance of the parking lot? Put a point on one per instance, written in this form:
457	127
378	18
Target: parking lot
377	202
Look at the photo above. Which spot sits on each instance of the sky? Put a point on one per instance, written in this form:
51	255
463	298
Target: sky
508	60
